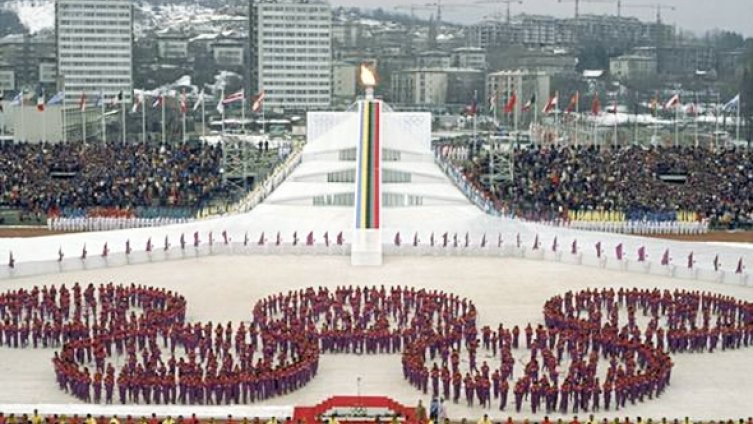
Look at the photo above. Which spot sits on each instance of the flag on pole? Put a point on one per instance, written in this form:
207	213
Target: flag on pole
236	97
82	102
554	244
598	249
472	108
105	251
60	254
258	103
139	100
618	252
732	104
596	105
183	103
716	263
397	239
740	267
530	104
199	101
117	99
158	101
654	104
83	252
415	240
493	103
18	100
665	258
56	99
642	254
672	102
11	261
510	106
691	262
536	242
573	103
128	247
574	247
551	104
40	102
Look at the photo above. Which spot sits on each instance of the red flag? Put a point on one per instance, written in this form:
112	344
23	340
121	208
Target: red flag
183	103
673	102
40	102
665	258
510	106
551	104
258	103
642	254
310	239
397	239
596	105
82	102
618	252
262	240
573	102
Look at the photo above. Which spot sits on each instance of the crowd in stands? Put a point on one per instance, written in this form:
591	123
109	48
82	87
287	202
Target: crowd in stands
636	183
132	344
49	179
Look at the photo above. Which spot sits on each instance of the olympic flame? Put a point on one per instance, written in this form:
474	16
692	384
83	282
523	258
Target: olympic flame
368	79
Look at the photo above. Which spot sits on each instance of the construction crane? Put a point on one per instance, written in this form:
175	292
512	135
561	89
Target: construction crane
506	2
413	9
439	5
656	6
578	2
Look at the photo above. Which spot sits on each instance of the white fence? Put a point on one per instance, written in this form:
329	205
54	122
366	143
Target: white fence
107	224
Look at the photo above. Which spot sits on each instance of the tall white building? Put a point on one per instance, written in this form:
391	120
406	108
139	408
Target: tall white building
95	47
291	53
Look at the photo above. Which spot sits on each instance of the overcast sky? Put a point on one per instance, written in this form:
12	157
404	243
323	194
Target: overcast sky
694	15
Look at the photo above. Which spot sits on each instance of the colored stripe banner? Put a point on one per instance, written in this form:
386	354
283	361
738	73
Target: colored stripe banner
368	168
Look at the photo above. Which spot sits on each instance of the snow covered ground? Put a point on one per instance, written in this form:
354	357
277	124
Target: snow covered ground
511	291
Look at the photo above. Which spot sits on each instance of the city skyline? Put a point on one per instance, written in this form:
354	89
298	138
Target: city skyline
698	16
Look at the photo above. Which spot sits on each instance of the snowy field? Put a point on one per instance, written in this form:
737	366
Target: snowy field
511	291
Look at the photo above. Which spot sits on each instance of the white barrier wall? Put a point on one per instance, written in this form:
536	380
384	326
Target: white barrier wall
585	256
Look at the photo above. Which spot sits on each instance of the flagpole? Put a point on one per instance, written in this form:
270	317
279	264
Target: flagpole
23	119
737	128
65	127
143	119
104	124
184	127
123	116
164	133
615	121
243	113
475	112
557	118
203	119
677	133
577	116
716	119
83	120
222	110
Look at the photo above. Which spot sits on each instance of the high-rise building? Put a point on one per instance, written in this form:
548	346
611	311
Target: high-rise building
95	47
291	53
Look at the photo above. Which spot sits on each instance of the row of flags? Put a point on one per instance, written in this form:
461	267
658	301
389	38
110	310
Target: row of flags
139	99
552	104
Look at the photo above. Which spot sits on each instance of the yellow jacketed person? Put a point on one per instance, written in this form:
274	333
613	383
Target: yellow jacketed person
333	420
485	420
168	420
114	420
36	418
90	420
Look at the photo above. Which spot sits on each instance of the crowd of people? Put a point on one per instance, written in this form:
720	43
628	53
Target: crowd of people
48	179
637	182
132	344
